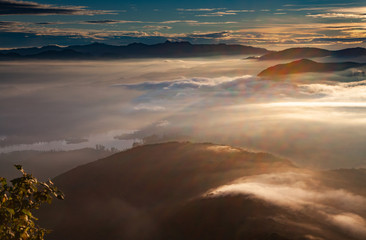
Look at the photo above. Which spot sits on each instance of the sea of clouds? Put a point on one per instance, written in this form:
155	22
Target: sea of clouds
316	120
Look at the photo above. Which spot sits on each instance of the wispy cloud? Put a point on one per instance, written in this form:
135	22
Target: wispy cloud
225	13
110	21
307	9
147	107
179	21
304	193
152	27
341	12
360	10
337	15
12	7
319	4
240	11
195	22
212	23
5	24
198	9
193	83
274	34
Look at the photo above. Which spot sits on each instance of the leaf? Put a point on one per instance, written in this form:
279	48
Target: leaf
26	212
17	202
3	181
10	210
19	167
60	196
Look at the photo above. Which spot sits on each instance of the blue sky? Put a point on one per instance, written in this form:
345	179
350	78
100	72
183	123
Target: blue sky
274	24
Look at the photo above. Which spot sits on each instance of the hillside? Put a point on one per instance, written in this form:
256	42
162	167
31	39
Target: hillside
307	52
133	189
306	65
187	191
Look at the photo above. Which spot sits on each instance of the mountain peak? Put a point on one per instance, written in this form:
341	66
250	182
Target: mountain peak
136	44
97	44
303	61
167	42
306	65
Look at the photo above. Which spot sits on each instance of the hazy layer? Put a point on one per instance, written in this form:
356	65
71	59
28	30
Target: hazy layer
315	119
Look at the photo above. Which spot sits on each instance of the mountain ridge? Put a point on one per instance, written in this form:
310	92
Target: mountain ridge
306	65
170	49
176	190
133	50
309	52
135	189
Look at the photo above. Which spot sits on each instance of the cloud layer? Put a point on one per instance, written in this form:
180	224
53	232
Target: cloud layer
210	100
275	28
13	7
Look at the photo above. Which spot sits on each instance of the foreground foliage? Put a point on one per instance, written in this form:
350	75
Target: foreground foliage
17	202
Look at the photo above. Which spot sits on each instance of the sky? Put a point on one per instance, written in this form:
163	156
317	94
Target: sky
274	24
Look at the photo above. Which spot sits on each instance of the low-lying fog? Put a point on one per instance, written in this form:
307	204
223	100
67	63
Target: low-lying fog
316	120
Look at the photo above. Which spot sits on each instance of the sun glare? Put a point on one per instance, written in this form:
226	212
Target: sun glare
317	104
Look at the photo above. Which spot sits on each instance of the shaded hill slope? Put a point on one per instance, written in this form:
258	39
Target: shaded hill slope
306	65
199	191
242	217
119	196
307	52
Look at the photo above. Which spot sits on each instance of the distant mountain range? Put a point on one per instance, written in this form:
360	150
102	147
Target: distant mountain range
306	65
306	52
170	50
134	50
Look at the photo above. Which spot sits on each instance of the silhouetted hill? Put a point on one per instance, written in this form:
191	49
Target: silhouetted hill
126	195
296	53
349	52
33	50
244	217
306	65
59	54
134	50
176	191
171	50
9	56
306	52
48	164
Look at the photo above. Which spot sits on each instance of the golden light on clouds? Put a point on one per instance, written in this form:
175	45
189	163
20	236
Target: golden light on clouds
317	104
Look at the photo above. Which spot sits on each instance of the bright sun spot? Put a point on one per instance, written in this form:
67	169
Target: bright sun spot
316	104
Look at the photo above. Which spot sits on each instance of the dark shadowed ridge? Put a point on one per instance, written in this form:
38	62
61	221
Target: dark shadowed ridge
127	195
158	192
33	50
349	52
306	52
306	65
296	53
244	217
134	50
